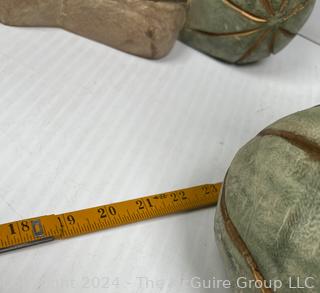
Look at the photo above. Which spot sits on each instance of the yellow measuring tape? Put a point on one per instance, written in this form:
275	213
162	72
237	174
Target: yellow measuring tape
43	229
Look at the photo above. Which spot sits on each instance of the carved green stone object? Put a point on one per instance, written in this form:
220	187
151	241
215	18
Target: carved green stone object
267	222
244	31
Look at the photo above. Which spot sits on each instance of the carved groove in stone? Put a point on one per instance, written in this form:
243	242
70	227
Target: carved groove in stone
299	141
234	34
240	244
268	6
255	45
244	12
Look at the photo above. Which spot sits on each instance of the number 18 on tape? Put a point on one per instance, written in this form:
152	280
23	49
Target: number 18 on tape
43	229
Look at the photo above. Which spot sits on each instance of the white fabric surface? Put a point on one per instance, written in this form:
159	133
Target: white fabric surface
312	30
82	125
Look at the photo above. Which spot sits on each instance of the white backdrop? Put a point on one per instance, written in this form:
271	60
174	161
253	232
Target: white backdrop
312	28
82	125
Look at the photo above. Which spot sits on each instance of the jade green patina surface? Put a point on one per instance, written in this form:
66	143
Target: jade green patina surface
244	31
272	197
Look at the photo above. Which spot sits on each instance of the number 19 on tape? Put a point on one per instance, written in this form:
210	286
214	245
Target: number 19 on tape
43	229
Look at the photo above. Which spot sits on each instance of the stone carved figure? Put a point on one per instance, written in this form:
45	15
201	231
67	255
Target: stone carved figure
267	223
236	31
242	31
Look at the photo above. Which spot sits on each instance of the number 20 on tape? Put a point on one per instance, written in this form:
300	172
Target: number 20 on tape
43	229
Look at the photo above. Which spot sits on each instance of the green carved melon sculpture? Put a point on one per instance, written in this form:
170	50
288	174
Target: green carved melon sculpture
268	219
243	31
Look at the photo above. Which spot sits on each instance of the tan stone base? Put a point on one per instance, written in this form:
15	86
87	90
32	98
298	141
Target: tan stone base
141	27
